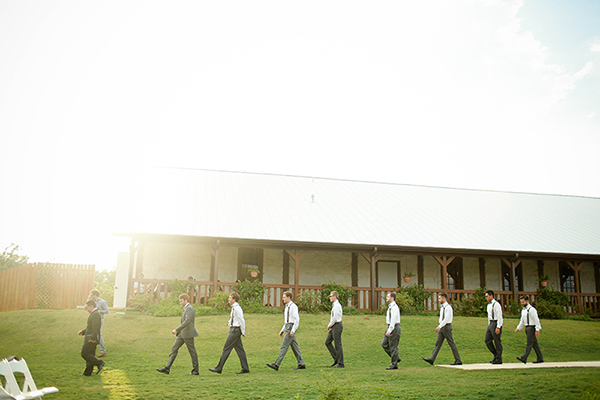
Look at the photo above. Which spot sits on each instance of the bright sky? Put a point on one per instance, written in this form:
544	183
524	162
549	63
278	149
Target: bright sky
484	94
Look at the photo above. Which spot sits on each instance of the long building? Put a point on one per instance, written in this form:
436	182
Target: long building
213	228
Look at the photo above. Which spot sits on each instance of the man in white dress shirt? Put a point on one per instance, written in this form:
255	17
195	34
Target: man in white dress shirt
531	321
444	330
237	329
493	333
335	329
291	320
392	334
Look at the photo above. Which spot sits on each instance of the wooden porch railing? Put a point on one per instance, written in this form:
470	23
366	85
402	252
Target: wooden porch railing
200	292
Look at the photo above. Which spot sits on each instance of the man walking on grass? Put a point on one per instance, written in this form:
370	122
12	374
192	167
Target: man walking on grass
335	329
91	337
291	320
531	321
392	334
237	329
444	330
185	334
493	333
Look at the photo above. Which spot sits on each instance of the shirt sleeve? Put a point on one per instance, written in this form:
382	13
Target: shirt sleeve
240	315
102	306
533	315
394	318
295	316
498	312
521	322
448	314
336	314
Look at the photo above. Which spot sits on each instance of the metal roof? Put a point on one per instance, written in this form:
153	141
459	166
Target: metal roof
269	207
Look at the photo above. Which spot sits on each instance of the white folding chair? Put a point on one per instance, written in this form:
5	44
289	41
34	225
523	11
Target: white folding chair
4	395
20	366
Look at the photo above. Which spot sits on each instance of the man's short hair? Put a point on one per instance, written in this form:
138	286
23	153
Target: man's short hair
490	292
95	293
185	296
524	297
235	296
91	303
393	295
444	295
287	293
334	293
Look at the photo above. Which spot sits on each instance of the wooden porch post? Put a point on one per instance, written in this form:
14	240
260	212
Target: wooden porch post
215	250
444	262
513	263
576	265
372	258
297	256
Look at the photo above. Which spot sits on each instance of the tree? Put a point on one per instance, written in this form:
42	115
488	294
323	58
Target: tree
10	259
104	282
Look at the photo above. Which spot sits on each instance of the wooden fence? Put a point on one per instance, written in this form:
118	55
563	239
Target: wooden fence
45	285
200	292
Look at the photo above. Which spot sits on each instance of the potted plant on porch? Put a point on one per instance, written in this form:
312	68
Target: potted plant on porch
253	271
543	280
407	275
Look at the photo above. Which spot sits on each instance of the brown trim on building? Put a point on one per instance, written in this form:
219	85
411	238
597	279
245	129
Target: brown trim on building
482	272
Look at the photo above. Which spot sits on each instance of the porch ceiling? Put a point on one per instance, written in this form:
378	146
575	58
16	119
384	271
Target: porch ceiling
318	212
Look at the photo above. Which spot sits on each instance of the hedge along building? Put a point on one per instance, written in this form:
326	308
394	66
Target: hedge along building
213	228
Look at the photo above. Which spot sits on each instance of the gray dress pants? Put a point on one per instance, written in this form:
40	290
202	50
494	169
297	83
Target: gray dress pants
335	335
289	341
390	345
445	332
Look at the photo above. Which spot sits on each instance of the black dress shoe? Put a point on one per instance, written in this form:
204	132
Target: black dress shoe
214	370
244	371
538	362
84	374
339	366
275	367
392	367
429	360
333	365
194	373
496	362
100	367
524	361
457	363
163	370
300	367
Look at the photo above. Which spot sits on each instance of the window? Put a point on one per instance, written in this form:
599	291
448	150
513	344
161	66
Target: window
455	274
507	279
567	277
250	264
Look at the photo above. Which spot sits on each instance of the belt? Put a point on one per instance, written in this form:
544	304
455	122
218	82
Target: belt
493	320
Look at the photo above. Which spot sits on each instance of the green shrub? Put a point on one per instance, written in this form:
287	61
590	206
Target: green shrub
417	293
143	302
351	310
552	297
206	310
514	307
168	308
309	302
472	306
548	310
345	294
219	301
251	296
405	302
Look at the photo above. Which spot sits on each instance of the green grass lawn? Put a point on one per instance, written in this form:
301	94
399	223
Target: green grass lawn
137	344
